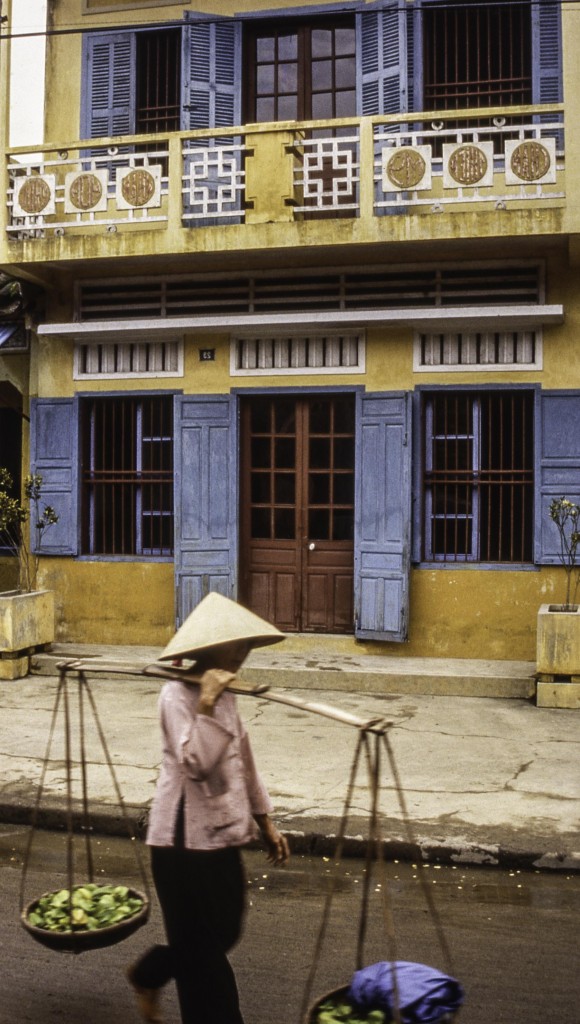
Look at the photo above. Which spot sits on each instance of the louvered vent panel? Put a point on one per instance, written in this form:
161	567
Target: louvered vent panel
373	288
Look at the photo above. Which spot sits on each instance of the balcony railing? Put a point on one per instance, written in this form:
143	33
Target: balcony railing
356	168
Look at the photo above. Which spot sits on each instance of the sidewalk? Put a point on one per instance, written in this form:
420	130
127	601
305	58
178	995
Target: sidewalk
483	780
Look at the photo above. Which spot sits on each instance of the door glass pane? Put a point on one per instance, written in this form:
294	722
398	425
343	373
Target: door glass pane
260	487
342	525
319	524
345	105
260	452
319	489
265	48
287	109
288	47
343	452
260	523
284	488
284	452
345	73
260	417
344	489
320	417
319	453
344	41
322	75
285	416
287	78
322	42
284	528
322	106
266	109
265	79
344	416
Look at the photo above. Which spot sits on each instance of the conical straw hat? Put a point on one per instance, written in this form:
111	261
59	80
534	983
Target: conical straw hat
218	620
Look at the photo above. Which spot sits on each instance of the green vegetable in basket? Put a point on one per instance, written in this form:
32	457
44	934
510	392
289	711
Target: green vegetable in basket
342	1012
89	907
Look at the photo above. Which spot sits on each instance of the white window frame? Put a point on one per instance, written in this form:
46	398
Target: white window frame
296	336
78	374
419	367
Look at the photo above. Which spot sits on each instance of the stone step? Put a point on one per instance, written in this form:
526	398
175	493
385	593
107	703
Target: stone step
324	666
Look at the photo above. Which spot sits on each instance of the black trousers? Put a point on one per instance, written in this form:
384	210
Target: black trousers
202	898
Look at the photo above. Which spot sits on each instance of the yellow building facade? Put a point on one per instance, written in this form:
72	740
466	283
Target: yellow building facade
301	316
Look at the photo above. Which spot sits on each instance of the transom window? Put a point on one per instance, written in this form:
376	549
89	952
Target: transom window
478	476
301	71
127	475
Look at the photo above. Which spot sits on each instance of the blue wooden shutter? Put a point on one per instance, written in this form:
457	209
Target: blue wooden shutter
205	499
54	454
211	73
546	52
557	464
383	516
382	45
109	89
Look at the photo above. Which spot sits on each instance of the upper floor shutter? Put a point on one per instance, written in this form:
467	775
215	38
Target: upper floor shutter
385	50
108	96
54	455
205	499
211	73
383	516
557	466
546	51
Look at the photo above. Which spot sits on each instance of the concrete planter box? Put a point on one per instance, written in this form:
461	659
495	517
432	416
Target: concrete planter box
558	657
26	624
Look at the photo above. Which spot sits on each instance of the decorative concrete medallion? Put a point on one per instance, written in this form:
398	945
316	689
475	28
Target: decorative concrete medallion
85	191
138	187
406	168
34	195
530	161
467	165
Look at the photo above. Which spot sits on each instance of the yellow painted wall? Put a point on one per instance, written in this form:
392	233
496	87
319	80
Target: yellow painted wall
458	613
111	602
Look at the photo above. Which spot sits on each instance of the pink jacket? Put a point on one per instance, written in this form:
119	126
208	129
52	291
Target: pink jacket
209	762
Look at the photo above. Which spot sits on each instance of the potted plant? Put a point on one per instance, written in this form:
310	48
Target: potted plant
558	634
26	614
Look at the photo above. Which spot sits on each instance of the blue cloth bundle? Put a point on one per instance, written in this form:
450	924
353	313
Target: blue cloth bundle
425	995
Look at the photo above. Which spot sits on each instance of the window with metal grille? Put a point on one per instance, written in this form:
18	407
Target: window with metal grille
477	55
478	476
504	350
127	475
158	88
10	449
314	353
128	359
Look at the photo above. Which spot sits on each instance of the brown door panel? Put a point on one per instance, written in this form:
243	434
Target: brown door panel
297	474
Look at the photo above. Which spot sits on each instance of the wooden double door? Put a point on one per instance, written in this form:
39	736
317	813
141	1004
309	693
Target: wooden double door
297	511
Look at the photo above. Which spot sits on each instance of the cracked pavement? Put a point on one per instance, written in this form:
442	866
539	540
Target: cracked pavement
483	779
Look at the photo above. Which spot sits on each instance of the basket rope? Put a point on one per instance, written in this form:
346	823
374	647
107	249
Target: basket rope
62	702
373	852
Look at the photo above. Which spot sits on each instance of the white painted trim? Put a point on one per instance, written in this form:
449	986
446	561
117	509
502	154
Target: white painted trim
443	318
154	374
277	371
419	367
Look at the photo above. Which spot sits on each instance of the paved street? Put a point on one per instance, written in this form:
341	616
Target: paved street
513	937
